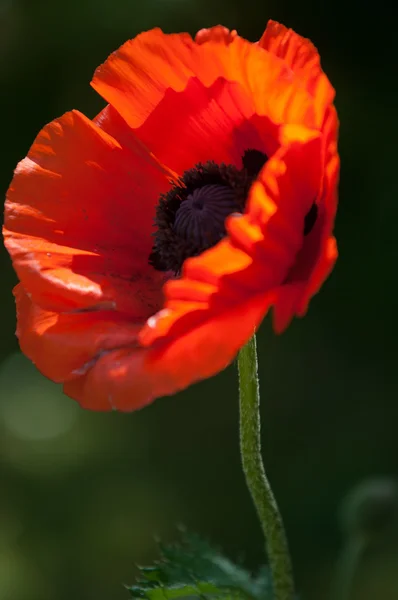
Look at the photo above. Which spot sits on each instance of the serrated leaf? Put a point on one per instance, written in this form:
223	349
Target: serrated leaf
194	569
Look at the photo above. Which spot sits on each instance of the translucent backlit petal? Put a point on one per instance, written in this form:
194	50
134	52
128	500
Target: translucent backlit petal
79	217
135	78
128	379
303	58
63	345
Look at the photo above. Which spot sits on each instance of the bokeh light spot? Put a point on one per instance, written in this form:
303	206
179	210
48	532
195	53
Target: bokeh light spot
32	407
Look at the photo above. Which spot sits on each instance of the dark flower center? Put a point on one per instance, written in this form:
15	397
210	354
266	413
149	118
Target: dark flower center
201	217
190	218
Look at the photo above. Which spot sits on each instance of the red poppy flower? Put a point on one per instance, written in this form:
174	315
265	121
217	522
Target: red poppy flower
231	149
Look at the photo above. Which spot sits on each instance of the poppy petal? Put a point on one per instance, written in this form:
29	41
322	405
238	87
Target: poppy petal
293	299
217	122
61	344
303	58
319	252
72	226
135	78
128	379
217	33
202	123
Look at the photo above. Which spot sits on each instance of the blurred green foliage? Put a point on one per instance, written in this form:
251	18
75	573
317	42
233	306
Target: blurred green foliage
82	495
193	568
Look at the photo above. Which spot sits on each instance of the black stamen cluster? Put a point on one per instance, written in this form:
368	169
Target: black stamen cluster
170	250
206	190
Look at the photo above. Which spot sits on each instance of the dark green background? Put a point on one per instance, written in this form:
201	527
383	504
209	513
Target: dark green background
82	495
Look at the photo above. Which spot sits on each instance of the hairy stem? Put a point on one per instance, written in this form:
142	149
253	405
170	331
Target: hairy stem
256	479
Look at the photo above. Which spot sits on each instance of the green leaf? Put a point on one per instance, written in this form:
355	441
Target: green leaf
193	569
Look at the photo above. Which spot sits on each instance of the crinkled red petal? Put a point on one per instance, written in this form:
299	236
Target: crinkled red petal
319	252
202	123
136	78
128	379
303	58
64	345
79	217
217	33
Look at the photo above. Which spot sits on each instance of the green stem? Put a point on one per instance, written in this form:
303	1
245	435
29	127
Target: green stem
347	567
257	482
